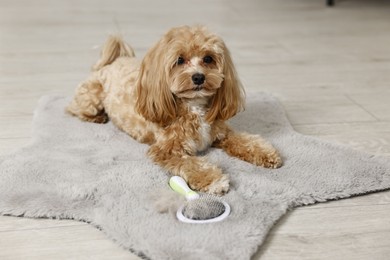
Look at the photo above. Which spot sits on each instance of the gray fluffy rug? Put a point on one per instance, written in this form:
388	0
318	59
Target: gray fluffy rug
95	173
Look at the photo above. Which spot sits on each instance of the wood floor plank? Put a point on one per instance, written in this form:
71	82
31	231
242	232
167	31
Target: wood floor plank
9	223
67	242
360	233
347	246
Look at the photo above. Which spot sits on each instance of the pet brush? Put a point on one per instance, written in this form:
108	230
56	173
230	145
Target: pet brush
198	209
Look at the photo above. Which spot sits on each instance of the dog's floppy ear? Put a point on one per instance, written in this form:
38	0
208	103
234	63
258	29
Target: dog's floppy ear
155	102
229	98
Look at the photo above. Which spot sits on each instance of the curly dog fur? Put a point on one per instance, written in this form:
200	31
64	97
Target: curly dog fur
177	100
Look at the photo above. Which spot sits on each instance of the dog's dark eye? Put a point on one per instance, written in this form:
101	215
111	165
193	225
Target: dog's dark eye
207	59
180	60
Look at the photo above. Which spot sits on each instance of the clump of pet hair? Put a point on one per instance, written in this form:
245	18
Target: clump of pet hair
167	201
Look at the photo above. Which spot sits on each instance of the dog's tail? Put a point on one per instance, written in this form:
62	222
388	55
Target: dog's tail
114	48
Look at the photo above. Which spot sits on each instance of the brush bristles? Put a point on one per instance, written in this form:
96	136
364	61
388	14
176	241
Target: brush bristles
204	208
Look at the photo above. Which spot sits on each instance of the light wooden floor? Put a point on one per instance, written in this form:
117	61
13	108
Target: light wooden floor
330	67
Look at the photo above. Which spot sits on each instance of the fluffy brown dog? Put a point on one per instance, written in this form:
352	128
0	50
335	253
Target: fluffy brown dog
176	100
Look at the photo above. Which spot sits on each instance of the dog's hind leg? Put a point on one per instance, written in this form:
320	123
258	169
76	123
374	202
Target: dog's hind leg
87	103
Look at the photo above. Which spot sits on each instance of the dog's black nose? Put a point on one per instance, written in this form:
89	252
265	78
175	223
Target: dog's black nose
198	78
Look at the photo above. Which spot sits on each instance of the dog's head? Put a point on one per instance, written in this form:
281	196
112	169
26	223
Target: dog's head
188	63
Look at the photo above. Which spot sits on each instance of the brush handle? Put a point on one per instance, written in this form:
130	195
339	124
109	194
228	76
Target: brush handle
179	185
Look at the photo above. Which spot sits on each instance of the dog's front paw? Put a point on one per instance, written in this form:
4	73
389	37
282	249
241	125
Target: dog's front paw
271	160
265	155
219	186
209	180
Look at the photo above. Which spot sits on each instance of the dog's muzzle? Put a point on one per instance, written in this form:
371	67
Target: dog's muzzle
198	88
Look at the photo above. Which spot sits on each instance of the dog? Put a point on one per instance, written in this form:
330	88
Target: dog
177	100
